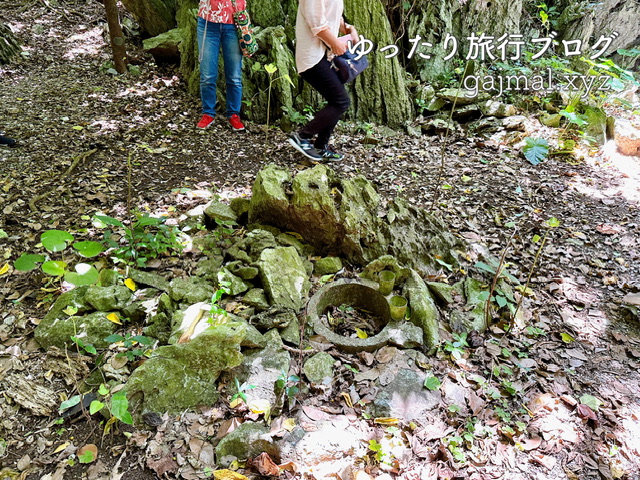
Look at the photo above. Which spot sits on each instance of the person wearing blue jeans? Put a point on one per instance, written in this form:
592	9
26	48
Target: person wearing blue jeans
216	30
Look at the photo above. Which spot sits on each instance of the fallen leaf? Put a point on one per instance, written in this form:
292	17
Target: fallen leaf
289	467
4	269
544	460
585	411
632	299
386	421
130	284
88	453
228	475
162	465
113	317
531	443
265	465
362	475
61	447
607	229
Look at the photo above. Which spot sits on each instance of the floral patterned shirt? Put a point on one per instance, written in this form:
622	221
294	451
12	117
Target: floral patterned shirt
219	11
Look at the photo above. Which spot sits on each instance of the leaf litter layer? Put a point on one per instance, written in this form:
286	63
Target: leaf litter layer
559	399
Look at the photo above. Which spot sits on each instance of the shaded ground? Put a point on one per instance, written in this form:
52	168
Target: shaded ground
84	132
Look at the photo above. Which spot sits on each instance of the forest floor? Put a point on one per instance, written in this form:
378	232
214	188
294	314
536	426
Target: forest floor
574	373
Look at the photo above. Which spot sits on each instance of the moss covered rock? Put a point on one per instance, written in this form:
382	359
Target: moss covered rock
179	377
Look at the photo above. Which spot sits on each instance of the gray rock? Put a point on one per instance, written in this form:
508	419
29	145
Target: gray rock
182	376
208	268
245	272
424	313
240	207
108	277
262	368
235	285
106	299
405	335
192	290
247	441
443	291
514	123
90	329
284	277
275	317
291	333
166	45
460	96
327	265
493	108
319	368
288	240
149	279
221	212
257	241
550	119
406	397
344	217
257	298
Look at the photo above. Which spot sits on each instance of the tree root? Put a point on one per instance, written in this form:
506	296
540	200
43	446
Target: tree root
72	167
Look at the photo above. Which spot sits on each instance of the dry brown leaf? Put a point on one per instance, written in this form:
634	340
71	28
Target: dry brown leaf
584	411
608	229
531	443
314	413
162	465
362	475
265	465
288	467
544	460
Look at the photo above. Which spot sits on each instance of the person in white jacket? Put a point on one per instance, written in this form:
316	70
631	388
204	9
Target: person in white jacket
319	24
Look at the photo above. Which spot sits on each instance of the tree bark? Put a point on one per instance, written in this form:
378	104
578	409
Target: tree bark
116	36
9	47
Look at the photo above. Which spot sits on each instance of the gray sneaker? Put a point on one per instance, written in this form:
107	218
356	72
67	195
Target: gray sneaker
305	147
329	154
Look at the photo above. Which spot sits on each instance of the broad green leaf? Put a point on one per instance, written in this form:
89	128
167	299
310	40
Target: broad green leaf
483	296
142	340
147	220
88	249
103	390
114	338
566	338
55	240
501	301
3	234
72	402
70	310
120	407
87	456
432	383
591	402
535	150
271	68
85	274
27	261
553	222
486	267
536	238
54	268
101	221
95	406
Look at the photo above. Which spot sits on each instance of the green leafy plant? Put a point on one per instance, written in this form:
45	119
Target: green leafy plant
271	69
432	382
457	347
117	405
147	237
288	384
83	347
218	314
58	241
134	345
241	390
535	150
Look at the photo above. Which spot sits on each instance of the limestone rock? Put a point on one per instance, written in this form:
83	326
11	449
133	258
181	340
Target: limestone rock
262	368
284	277
90	329
291	333
319	368
235	285
342	216
275	317
550	119
149	279
179	377
165	46
106	299
247	441
221	212
257	298
108	277
406	397
460	96
514	123
190	291
627	137
494	108
245	272
327	265
424	312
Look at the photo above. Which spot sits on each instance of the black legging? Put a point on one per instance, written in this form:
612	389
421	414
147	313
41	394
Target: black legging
325	80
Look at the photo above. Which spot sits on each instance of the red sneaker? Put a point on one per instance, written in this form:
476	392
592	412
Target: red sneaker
236	123
205	122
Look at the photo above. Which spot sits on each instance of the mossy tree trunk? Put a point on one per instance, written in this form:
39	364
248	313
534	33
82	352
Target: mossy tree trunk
154	16
9	46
